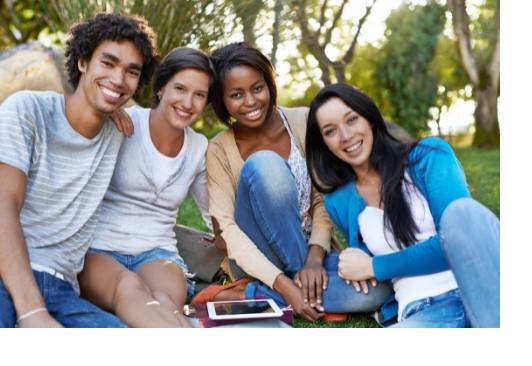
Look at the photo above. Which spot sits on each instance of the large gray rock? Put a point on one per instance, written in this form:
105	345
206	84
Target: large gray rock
32	66
399	132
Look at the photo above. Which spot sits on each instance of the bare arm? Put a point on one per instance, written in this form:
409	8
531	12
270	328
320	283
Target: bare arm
200	194
15	269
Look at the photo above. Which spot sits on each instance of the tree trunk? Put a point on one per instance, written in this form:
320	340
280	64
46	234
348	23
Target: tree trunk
339	71
325	74
486	118
311	39
438	121
249	34
278	7
247	11
486	93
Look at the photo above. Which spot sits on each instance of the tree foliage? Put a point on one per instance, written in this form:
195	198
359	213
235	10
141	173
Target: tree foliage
403	72
412	72
362	71
21	21
321	25
176	22
451	76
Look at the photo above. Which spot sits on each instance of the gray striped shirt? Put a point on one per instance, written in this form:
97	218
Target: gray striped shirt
67	177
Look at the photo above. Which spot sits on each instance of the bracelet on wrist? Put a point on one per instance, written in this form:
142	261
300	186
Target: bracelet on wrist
27	314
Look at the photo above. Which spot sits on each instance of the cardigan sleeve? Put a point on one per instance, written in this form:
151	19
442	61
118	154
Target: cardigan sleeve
421	259
321	223
339	205
440	177
222	192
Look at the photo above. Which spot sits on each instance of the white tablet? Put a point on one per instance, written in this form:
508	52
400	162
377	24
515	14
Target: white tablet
243	309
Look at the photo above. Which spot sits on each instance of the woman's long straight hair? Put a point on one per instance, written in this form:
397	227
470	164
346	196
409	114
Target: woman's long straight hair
389	157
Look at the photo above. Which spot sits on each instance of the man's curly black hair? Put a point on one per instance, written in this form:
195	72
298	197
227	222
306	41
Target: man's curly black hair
85	37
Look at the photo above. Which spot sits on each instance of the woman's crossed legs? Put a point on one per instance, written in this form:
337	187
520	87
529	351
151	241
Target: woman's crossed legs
143	292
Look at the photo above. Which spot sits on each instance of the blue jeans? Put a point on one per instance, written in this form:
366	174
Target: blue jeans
442	311
63	303
134	262
470	236
267	211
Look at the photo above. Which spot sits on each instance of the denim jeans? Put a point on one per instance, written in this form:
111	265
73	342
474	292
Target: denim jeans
470	236
63	303
442	311
267	211
134	262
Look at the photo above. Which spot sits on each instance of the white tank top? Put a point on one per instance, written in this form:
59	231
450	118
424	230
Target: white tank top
380	241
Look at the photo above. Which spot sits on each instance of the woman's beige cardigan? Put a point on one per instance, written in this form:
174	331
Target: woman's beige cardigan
224	163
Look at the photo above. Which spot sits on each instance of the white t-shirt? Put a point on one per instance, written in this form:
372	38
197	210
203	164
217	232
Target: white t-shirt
380	241
139	210
162	166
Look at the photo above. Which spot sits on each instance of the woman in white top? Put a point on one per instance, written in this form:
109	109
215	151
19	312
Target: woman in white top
133	268
410	205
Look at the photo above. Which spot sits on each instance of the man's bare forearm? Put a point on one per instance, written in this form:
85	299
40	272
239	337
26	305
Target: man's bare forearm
15	269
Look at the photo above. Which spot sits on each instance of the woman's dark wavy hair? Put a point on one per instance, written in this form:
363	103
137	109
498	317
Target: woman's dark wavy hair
85	37
388	157
236	54
179	59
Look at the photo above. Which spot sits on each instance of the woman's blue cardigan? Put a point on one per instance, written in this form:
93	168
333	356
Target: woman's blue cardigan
439	176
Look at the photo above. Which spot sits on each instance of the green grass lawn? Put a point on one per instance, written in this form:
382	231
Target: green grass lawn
482	168
483	175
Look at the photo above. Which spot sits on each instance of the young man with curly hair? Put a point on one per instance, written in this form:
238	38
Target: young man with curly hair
57	155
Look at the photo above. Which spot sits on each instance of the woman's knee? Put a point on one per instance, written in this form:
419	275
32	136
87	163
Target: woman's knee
263	159
168	301
268	170
128	284
467	217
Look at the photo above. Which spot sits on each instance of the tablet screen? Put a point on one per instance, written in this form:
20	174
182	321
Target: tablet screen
243	308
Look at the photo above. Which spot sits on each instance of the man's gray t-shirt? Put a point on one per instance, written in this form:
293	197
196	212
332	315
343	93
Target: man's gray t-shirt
67	177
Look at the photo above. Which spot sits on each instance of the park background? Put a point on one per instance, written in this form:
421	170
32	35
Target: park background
431	66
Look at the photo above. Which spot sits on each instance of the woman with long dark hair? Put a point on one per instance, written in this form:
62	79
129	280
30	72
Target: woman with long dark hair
277	232
406	212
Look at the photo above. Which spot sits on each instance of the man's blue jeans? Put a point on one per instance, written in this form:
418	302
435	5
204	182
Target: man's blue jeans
63	303
267	211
